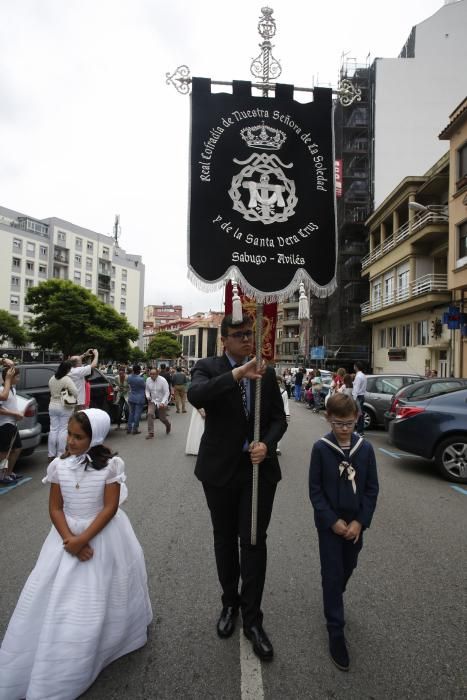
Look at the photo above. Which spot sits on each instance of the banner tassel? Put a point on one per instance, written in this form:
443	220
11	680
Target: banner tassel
237	311
303	306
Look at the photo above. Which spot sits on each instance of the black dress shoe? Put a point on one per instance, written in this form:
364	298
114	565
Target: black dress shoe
259	639
339	653
226	622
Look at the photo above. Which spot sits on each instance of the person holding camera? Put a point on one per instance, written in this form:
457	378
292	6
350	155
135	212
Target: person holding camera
80	371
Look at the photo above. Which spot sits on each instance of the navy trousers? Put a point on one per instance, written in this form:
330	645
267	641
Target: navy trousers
338	560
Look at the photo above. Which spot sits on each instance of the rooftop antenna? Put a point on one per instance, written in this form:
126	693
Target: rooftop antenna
117	229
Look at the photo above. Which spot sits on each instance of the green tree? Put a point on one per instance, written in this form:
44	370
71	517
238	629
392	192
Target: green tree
136	355
164	345
11	329
68	318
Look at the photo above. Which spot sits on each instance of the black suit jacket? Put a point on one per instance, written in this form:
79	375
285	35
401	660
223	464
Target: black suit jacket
226	426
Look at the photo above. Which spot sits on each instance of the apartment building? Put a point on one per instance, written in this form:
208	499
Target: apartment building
456	133
407	269
413	93
35	250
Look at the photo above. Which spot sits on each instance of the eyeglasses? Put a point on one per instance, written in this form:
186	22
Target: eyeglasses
241	334
340	424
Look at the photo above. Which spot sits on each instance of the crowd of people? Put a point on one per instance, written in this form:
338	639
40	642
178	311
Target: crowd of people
92	547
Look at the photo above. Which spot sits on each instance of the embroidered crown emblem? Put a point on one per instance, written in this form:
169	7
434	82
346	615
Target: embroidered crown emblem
263	136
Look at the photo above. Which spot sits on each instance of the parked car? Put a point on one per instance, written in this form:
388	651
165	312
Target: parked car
29	427
435	428
380	389
422	389
34	381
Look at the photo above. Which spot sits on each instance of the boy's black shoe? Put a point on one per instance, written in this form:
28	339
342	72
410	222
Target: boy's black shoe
339	653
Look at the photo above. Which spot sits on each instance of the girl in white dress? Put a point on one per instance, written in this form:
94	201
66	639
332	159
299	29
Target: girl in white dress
86	602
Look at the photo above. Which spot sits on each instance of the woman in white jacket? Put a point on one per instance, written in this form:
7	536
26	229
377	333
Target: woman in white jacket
59	411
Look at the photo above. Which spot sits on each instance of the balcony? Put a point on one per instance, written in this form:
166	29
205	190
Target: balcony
61	256
422	286
429	218
103	282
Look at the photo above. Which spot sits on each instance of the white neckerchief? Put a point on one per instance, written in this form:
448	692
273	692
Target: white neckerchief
344	466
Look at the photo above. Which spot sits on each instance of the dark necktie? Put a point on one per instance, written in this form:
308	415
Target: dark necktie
241	384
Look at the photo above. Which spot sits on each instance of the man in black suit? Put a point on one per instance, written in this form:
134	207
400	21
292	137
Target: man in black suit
225	388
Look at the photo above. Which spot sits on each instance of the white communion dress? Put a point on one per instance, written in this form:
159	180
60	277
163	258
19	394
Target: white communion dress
74	618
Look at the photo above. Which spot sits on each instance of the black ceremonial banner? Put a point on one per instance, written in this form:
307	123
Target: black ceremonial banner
262	191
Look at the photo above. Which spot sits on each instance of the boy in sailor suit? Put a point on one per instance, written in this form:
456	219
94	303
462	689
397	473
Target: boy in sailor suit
343	490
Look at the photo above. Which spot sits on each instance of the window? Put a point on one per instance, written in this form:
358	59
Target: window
89	246
462	237
31	249
124	274
16	263
462	166
15	282
123	303
42	270
392	337
17	244
192	345
61	236
29	283
382	338
112	299
77	276
78	243
14	300
112	286
105	252
88	280
29	266
78	260
376	300
123	288
88	263
422	333
403	285
389	290
388	385
38	377
113	270
406	336
43	250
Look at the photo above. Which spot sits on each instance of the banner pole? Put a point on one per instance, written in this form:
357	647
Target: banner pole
257	422
262	67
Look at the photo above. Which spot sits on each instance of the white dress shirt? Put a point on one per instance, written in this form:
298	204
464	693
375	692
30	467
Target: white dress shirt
157	390
359	384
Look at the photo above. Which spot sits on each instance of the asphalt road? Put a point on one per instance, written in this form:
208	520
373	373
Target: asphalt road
406	603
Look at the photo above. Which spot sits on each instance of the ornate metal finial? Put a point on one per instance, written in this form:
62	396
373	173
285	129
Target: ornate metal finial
180	79
265	66
348	93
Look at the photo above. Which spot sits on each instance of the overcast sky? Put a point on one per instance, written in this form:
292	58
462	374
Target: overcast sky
89	129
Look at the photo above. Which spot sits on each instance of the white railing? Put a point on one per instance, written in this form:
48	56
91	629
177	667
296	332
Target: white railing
422	285
420	220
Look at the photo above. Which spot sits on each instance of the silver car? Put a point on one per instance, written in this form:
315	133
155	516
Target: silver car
29	427
380	389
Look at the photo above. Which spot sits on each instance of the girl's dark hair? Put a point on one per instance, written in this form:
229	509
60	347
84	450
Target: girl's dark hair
63	369
136	369
100	454
348	381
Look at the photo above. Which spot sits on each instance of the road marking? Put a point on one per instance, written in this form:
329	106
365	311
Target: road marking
459	488
387	452
250	671
5	489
